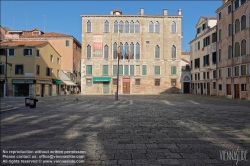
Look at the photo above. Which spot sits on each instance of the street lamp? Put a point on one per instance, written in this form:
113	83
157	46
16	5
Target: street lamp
118	59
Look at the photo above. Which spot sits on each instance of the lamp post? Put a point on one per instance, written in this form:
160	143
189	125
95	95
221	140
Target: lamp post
118	59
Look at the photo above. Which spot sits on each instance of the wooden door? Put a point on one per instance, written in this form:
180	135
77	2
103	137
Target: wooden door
126	87
236	91
208	88
229	89
105	87
201	88
186	87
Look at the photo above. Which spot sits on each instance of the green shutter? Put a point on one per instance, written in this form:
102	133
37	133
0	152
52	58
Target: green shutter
114	69
126	70
67	43
121	69
173	69
105	70
157	69
89	70
132	70
144	70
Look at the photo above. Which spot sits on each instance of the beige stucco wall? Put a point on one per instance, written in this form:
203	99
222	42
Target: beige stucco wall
165	39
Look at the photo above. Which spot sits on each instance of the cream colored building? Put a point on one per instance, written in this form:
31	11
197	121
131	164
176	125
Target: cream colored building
31	68
234	45
203	57
66	45
150	46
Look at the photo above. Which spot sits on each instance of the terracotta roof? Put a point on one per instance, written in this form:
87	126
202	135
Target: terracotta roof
185	60
21	43
47	34
185	53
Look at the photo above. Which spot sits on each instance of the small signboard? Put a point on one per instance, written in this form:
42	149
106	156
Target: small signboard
97	45
29	74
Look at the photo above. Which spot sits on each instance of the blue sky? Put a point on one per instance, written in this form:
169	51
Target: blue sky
64	17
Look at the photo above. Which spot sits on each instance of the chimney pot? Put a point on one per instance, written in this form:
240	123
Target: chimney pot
111	12
165	12
141	11
179	12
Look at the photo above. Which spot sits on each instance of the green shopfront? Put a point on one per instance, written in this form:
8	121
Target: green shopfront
105	81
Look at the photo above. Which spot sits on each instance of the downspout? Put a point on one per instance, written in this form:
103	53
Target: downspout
232	17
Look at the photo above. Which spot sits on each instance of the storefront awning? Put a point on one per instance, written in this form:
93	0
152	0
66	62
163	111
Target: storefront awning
58	81
101	79
67	82
22	81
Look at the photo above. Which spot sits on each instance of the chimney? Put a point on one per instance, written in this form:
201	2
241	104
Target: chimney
165	12
179	12
141	11
111	12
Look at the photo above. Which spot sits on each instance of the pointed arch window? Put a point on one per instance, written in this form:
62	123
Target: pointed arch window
88	51
157	27
137	48
126	27
121	26
237	25
243	22
137	27
132	27
151	27
106	51
121	50
173	27
237	49
243	47
173	52
157	52
126	50
106	26
115	27
89	26
132	51
115	50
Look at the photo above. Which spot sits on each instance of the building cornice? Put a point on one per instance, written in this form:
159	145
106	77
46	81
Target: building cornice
150	16
224	5
211	29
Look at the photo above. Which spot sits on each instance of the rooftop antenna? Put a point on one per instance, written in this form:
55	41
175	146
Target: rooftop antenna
26	20
13	23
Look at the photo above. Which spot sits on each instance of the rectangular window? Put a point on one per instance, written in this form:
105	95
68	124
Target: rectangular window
48	71
243	87
214	37
114	69
173	70
219	35
214	85
195	76
2	69
144	69
198	45
126	70
214	74
58	60
88	69
219	73
243	70
120	69
208	75
18	69
114	82
67	43
132	70
37	69
228	72
157	82
203	26
236	4
37	53
137	70
197	63
27	52
236	71
198	76
205	60
89	82
219	55
220	87
2	52
219	16
51	58
105	70
157	70
214	54
58	73
229	9
11	52
137	81
204	75
173	82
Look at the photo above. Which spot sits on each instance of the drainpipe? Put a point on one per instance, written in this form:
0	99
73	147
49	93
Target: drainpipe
232	17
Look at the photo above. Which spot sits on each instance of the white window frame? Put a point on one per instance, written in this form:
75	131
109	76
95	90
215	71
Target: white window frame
9	52
87	26
51	58
3	68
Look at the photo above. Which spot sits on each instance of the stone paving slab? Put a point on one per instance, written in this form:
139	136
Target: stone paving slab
135	130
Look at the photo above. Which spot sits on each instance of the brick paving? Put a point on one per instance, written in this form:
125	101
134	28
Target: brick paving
155	130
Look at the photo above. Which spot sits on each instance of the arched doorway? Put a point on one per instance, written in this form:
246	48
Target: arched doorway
186	84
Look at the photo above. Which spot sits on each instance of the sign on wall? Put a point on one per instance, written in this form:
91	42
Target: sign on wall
97	44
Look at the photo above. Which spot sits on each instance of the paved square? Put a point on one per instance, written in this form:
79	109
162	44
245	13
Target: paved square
135	130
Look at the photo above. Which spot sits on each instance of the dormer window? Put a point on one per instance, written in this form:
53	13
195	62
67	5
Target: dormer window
203	26
35	33
198	30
